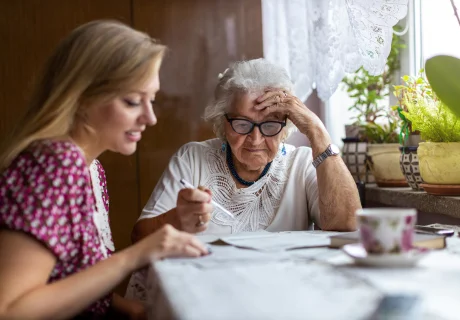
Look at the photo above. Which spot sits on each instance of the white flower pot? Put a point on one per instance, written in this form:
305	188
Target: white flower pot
383	160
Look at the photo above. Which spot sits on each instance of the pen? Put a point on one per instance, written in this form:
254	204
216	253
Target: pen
215	204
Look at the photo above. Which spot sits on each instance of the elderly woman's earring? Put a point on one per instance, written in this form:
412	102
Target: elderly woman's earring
283	150
224	146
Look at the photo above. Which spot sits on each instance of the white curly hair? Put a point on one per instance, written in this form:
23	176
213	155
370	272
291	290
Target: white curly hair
245	76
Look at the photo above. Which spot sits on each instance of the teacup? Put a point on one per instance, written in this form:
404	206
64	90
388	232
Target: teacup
386	230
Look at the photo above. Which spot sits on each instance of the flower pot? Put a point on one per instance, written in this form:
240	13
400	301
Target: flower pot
439	162
413	140
354	155
409	164
383	160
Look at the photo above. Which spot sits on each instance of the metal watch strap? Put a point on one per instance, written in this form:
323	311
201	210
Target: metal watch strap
319	159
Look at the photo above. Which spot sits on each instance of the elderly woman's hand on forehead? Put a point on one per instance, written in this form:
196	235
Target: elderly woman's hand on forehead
277	100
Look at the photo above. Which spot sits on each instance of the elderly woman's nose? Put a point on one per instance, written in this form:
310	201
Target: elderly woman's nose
256	135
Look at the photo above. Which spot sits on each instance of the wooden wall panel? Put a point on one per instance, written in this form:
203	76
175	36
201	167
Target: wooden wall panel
203	37
29	31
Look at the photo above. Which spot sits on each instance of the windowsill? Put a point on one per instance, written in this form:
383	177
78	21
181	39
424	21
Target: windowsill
407	198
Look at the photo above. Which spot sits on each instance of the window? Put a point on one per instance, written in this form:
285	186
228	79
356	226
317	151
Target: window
439	29
432	29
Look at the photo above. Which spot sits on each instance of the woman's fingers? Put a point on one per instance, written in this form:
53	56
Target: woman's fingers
190	246
201	218
205	190
177	243
272	99
194	216
269	102
193	195
205	217
196	208
269	94
190	251
198	245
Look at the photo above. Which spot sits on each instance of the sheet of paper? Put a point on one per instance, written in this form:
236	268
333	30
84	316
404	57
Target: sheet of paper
210	238
277	241
227	255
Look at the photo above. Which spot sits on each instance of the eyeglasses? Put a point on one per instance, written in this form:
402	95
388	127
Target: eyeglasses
267	128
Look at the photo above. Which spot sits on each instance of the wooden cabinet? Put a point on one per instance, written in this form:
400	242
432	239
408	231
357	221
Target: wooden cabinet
203	37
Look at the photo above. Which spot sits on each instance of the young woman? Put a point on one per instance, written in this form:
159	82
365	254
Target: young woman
96	94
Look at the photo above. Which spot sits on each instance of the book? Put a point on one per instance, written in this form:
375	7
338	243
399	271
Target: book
429	241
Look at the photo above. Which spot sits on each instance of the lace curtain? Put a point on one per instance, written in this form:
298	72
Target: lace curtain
319	41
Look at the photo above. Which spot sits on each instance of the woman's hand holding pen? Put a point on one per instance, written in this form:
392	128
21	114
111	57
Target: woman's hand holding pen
194	209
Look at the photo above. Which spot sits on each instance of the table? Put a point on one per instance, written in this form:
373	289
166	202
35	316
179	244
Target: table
313	283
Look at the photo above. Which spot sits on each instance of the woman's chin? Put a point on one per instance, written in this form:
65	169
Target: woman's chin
128	149
255	165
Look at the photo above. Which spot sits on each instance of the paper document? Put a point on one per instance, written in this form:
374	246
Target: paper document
213	237
271	241
229	256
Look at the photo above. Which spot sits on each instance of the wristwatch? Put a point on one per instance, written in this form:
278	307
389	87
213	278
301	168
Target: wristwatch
331	150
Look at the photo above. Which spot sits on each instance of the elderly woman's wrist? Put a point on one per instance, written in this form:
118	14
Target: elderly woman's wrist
173	219
319	140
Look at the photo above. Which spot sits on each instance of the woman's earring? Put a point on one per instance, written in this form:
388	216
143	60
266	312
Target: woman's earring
224	146
283	150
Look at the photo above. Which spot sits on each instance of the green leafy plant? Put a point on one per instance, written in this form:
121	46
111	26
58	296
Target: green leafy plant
382	133
378	123
414	89
427	114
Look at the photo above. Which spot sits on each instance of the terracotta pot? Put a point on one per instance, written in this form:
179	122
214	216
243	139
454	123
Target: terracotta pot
440	162
409	164
383	160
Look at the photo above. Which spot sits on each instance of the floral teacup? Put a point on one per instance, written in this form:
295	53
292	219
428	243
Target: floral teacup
386	230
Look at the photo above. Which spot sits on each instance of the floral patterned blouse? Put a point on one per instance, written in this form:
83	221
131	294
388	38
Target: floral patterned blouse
47	193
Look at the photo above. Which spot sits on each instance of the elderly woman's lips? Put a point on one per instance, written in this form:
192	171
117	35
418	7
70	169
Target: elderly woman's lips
253	150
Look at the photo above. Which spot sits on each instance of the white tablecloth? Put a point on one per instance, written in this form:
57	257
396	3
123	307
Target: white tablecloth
314	283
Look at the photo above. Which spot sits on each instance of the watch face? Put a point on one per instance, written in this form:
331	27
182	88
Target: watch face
335	149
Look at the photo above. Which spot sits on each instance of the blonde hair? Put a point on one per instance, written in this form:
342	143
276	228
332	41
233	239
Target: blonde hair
247	77
96	62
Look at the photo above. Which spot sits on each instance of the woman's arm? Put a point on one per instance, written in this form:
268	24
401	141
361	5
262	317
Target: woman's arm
338	194
146	226
25	266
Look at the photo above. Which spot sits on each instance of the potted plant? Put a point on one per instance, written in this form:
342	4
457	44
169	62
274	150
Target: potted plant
415	90
374	123
439	126
383	150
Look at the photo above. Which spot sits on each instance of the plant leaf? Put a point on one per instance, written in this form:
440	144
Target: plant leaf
443	73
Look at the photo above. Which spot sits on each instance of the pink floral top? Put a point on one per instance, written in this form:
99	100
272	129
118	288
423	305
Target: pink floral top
46	192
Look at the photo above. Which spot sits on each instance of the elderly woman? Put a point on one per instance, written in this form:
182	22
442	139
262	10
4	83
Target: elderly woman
250	170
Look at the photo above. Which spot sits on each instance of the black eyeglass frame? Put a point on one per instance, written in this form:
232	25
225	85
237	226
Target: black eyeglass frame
255	124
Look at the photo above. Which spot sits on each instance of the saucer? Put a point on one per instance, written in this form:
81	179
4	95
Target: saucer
401	260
